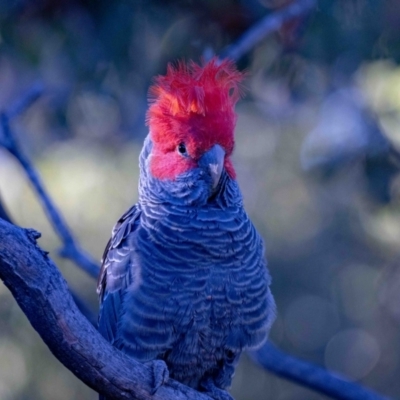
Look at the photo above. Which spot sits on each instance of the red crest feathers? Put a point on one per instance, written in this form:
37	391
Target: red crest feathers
194	104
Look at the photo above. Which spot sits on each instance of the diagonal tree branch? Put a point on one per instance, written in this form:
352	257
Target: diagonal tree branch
43	295
71	248
310	375
271	23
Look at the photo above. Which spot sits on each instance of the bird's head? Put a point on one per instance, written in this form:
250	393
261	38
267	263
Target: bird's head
192	120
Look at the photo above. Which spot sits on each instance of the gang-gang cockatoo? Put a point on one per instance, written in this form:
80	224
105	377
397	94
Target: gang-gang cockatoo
184	279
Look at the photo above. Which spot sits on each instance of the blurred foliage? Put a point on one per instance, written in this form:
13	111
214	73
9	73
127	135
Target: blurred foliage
316	157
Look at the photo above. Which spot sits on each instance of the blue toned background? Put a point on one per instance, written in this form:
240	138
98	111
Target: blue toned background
316	158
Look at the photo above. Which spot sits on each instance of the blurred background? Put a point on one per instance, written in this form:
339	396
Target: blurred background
316	158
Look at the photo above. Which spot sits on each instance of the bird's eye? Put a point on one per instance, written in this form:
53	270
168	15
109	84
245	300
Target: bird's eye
182	149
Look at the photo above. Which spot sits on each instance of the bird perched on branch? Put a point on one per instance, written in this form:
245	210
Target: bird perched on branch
184	279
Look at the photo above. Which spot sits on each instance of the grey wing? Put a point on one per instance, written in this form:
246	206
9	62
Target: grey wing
116	273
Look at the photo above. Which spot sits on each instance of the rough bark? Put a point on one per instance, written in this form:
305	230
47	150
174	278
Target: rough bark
43	295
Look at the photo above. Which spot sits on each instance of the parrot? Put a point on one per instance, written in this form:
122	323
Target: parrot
184	284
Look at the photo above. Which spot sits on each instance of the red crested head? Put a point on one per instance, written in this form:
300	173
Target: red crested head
193	106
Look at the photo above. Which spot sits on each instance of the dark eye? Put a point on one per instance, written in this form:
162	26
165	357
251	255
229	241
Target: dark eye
182	149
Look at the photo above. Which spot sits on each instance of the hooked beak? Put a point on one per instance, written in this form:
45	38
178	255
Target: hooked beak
213	160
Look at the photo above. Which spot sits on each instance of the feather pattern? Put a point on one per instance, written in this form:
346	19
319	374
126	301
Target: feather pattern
184	277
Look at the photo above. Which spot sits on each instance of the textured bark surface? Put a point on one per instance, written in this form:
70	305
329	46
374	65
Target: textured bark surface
43	295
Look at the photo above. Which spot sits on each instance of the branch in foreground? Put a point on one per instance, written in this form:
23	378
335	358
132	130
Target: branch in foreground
71	249
42	294
271	23
310	375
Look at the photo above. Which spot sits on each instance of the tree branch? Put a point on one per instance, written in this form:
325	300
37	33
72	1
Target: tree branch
271	23
71	248
43	296
310	375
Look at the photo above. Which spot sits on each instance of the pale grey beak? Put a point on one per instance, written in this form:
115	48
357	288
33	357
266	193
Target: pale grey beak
213	160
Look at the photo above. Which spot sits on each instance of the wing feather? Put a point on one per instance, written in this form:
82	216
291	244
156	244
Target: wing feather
117	272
